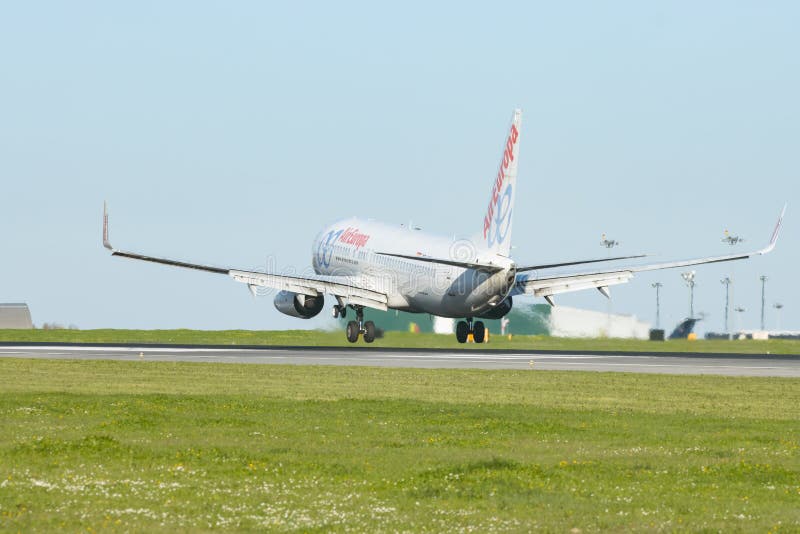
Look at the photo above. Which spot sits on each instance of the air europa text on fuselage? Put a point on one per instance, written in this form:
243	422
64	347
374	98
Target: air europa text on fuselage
508	157
352	236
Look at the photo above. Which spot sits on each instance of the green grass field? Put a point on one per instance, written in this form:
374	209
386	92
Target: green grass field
145	446
392	339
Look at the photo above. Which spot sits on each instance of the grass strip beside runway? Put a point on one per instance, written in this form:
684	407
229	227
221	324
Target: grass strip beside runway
163	446
393	339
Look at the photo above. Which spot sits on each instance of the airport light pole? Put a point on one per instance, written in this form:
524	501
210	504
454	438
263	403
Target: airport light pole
727	283
778	307
763	279
658	285
608	243
688	277
732	240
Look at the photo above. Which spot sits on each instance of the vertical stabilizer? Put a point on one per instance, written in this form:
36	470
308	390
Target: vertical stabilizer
496	233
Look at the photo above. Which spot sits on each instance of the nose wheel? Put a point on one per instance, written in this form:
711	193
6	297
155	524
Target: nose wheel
465	328
357	327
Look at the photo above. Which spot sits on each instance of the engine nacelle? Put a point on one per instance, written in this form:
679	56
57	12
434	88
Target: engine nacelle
500	310
299	305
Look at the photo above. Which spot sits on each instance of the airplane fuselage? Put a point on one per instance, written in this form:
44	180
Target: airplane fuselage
363	250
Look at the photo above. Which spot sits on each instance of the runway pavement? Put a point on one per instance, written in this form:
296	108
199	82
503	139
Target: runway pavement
718	364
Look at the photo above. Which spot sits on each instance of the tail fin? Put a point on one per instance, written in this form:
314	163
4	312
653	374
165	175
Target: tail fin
496	234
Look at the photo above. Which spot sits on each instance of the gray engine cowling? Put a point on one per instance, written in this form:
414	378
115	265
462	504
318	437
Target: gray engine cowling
500	310
299	305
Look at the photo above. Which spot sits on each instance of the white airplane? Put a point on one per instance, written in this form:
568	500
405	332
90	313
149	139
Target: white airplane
367	264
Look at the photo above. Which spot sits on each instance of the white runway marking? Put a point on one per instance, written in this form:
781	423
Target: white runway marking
756	365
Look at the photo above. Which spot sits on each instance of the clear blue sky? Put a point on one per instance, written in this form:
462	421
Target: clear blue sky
227	133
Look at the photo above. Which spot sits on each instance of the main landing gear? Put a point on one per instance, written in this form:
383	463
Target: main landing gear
465	328
357	327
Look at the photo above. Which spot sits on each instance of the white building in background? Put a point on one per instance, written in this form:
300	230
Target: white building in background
443	325
15	315
574	322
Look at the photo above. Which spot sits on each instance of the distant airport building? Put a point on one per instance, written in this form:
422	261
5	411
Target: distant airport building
535	319
575	322
15	315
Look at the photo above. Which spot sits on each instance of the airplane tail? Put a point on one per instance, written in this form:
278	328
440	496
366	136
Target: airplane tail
496	234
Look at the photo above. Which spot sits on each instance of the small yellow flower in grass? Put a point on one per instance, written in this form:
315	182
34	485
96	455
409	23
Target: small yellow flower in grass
563	463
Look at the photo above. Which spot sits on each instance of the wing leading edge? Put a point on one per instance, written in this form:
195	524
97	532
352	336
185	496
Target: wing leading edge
576	262
339	286
547	286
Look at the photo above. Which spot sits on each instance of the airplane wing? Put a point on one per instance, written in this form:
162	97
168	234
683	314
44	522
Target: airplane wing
350	290
575	262
547	286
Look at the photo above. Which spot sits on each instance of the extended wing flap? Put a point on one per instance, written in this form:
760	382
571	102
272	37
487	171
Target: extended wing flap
553	286
313	286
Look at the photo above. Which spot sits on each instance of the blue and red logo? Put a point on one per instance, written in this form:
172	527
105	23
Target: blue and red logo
349	236
502	219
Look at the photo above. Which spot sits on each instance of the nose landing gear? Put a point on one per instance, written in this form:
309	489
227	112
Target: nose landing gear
465	328
357	327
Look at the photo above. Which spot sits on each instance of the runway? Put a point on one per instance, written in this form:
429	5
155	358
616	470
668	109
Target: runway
672	363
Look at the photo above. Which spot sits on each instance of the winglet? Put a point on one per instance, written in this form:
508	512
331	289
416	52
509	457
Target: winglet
775	233
106	242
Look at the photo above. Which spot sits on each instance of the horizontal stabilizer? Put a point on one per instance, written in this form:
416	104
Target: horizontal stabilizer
489	267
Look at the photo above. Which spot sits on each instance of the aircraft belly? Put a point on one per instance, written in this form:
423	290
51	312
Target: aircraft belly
458	306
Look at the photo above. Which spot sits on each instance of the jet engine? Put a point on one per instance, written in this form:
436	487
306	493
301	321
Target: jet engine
299	305
499	311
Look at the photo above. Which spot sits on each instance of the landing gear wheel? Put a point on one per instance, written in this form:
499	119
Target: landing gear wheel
369	332
462	331
352	331
478	332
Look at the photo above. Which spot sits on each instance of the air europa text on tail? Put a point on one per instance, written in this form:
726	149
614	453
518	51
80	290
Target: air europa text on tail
508	158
